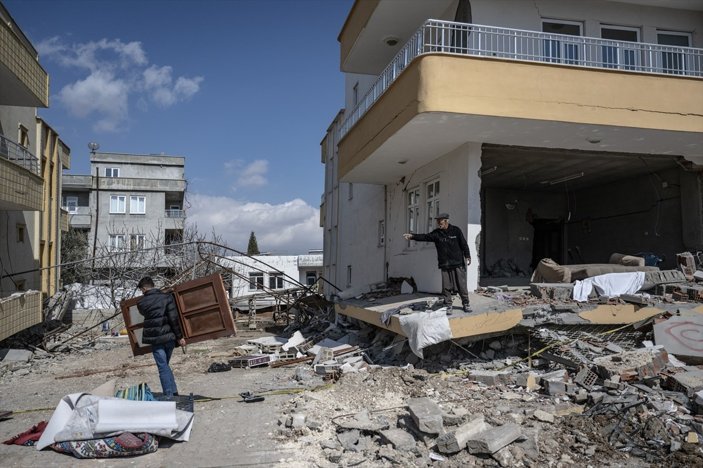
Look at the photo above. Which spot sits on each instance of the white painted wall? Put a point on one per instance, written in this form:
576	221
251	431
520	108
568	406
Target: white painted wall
293	266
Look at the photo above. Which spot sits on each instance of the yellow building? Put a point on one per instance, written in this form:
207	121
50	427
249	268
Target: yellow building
31	159
548	128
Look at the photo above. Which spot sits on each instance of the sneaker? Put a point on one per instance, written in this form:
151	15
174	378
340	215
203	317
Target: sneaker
467	308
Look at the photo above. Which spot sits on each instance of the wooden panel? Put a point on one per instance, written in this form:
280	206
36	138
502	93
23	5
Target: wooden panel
203	310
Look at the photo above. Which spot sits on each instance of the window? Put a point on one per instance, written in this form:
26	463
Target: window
674	61
23	136
71	204
413	209
355	94
620	55
137	241
256	281
21	232
117	242
432	203
381	233
561	50
137	204
275	281
118	203
351	191
112	172
349	277
310	278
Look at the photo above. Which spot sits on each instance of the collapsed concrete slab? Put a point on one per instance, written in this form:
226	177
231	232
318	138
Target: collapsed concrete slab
681	336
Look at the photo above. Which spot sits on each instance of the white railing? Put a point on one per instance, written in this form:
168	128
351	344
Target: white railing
19	155
448	37
172	213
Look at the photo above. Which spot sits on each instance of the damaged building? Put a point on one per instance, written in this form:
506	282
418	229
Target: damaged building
548	129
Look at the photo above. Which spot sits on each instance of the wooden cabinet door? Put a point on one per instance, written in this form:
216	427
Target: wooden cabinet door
203	309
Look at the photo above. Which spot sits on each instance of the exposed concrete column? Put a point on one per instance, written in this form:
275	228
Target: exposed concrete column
473	213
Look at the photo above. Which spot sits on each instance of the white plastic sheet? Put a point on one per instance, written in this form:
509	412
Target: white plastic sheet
610	284
425	328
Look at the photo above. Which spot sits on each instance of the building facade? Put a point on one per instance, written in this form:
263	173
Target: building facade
259	273
561	129
128	202
32	157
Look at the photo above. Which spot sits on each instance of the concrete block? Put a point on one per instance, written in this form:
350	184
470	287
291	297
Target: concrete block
631	365
490	377
554	387
399	439
427	415
455	441
15	355
543	416
688	382
494	439
362	421
555	291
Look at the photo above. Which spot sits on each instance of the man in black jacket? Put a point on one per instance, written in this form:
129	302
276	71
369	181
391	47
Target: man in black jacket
162	330
452	257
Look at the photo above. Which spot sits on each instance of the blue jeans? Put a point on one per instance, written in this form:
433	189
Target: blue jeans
162	356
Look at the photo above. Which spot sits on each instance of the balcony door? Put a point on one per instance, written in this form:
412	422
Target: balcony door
562	50
620	55
673	61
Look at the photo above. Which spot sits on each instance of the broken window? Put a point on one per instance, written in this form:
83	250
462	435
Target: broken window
256	280
275	281
118	204
137	204
432	203
112	172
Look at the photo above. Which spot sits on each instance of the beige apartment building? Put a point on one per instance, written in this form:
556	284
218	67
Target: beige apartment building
547	128
32	157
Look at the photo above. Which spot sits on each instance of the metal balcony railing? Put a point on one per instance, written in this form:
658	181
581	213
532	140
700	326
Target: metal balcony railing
19	155
175	213
448	37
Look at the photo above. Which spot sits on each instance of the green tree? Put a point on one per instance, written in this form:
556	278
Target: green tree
253	247
74	248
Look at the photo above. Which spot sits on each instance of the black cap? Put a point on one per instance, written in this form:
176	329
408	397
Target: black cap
443	216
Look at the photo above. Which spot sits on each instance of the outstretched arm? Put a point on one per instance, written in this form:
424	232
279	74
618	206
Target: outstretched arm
419	237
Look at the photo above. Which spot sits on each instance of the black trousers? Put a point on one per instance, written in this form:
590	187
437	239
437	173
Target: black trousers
454	279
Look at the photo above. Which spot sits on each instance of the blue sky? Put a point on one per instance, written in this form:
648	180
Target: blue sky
243	89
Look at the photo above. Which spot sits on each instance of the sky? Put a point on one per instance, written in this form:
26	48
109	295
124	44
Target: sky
244	89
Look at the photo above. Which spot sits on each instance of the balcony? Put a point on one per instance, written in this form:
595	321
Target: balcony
19	311
23	82
138	184
175	214
516	87
79	217
20	182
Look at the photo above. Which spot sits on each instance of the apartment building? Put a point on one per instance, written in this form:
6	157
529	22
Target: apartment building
128	202
32	157
547	128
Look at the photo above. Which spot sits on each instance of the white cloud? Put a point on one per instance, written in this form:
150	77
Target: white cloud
250	175
292	227
115	72
99	93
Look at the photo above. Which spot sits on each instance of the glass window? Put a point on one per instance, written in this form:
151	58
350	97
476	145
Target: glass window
21	232
275	281
620	55
137	204
310	278
118	242
256	281
673	61
71	204
136	241
432	203
413	209
561	50
118	203
112	172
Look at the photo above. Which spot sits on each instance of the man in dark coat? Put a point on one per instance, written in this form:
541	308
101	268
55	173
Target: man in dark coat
452	257
162	330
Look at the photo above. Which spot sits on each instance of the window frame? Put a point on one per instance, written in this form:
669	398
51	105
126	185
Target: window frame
67	203
310	274
432	202
114	242
114	172
117	199
132	198
564	51
21	232
276	280
256	280
140	243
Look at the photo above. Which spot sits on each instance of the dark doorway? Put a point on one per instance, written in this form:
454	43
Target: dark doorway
548	240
